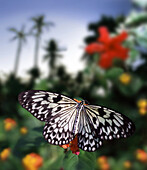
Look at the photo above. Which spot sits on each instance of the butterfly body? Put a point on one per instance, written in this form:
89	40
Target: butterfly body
80	107
66	118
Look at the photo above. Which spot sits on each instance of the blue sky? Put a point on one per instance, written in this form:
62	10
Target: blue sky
71	18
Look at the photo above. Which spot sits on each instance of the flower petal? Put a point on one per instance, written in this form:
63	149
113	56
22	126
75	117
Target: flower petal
104	35
94	47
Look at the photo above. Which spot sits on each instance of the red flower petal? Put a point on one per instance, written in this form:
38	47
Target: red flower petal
105	60
104	35
94	47
120	38
73	145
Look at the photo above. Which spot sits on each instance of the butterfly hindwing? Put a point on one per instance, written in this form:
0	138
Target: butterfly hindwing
42	104
109	124
59	130
88	140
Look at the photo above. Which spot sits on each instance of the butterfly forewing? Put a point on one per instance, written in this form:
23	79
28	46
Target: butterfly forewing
42	104
109	124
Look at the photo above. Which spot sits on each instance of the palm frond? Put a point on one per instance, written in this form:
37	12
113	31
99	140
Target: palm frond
14	38
13	30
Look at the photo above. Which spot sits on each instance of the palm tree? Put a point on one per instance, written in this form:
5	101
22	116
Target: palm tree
39	24
52	53
20	35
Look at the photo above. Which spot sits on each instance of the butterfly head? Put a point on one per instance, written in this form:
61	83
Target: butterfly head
82	102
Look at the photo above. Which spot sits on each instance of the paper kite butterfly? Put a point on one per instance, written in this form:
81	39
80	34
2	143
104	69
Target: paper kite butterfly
65	118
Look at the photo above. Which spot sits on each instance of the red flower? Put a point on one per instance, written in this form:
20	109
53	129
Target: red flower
73	145
108	47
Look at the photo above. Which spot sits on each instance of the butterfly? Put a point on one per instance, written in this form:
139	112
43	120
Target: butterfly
66	118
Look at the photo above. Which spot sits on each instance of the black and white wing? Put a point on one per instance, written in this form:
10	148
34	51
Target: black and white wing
98	123
109	124
88	139
57	110
60	129
42	104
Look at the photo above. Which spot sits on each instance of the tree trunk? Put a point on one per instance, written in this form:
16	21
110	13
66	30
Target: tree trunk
36	51
17	56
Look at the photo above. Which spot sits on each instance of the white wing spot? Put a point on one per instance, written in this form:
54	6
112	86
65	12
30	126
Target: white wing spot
117	124
85	148
93	149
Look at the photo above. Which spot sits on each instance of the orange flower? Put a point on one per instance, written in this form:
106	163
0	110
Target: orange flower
23	130
108	47
66	146
102	159
142	105
127	164
105	166
32	161
103	163
143	111
5	154
73	146
9	124
141	155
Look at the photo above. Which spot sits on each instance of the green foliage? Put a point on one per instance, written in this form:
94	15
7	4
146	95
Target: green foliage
114	73
132	88
87	161
70	161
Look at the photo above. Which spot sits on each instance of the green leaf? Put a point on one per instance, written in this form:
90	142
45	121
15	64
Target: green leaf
114	73
53	157
140	3
142	41
87	160
32	139
133	56
70	161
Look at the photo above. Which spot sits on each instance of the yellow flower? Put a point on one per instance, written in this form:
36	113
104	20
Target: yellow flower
32	161
5	154
141	155
142	104
127	164
9	124
125	78
23	130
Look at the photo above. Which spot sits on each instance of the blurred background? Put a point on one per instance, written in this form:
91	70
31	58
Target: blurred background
96	50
